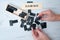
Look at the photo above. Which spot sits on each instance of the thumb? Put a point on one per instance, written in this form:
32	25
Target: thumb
39	30
40	14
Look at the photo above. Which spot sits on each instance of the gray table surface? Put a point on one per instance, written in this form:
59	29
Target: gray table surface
15	32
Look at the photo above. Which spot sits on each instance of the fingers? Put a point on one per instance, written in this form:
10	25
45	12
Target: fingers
45	15
42	15
46	12
38	34
39	30
34	33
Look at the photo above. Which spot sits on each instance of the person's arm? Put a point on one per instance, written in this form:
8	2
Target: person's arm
38	34
50	16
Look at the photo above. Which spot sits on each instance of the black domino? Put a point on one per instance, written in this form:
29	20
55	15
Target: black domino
43	25
23	14
11	8
12	22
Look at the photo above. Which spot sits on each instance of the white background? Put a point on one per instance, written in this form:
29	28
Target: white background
8	32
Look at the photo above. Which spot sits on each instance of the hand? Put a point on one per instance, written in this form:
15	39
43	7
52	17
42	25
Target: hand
39	35
49	15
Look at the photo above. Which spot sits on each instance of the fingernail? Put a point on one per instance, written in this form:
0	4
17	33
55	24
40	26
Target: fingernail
40	29
32	28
